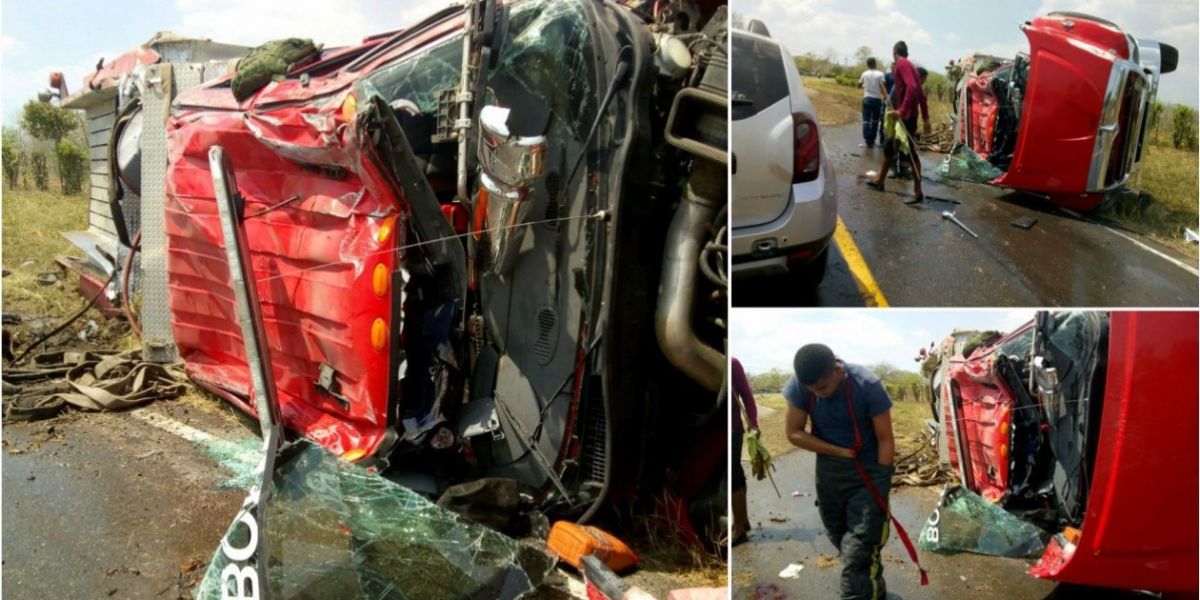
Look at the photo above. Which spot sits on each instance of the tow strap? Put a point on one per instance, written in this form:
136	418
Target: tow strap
848	392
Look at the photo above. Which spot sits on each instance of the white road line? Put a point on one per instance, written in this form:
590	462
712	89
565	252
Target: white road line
170	425
1186	267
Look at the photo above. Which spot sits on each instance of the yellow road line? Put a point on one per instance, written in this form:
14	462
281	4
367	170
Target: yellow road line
870	291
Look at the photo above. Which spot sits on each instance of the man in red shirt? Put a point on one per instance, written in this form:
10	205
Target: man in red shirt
907	98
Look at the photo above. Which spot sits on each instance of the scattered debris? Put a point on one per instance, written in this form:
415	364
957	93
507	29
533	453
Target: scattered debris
792	571
572	542
825	561
12	319
871	174
800	494
940	139
949	215
1190	236
922	467
779	519
1025	222
49	278
90	328
100	380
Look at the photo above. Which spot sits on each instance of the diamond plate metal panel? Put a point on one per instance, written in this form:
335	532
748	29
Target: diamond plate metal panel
158	342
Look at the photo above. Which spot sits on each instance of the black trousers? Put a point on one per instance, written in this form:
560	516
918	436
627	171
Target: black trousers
855	523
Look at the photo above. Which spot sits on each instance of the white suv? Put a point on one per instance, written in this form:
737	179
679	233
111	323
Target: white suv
784	189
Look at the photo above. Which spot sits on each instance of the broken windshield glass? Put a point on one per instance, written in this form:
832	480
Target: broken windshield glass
419	80
545	69
963	163
335	530
964	522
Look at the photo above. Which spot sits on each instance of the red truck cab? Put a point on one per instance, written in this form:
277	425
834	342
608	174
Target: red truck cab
1086	421
1067	120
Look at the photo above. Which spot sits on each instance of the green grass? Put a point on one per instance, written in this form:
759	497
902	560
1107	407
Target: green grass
1169	177
33	224
907	423
838	104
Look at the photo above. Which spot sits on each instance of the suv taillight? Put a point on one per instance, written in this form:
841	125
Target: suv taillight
806	163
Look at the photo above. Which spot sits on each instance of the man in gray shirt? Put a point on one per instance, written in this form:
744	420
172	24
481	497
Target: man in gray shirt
871	82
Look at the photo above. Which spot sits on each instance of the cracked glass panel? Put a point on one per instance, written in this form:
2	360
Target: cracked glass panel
965	522
545	68
421	78
334	530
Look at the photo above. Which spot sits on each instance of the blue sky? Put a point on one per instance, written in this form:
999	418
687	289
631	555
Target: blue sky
939	30
767	338
38	37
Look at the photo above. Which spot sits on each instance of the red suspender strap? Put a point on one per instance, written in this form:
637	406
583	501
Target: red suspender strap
848	392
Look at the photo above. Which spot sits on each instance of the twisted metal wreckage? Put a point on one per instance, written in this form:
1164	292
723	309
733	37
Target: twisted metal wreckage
487	246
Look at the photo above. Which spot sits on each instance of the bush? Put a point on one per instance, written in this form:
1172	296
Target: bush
847	81
1184	135
72	166
41	174
12	157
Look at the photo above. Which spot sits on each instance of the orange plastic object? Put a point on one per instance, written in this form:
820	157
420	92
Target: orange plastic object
571	542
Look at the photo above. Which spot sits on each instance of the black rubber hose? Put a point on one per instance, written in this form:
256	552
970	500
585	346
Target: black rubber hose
65	324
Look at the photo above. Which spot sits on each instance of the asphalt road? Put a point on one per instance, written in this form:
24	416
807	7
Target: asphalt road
918	258
107	505
788	530
133	504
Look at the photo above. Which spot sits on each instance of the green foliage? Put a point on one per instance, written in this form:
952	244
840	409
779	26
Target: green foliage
41	174
771	382
1184	135
847	81
48	122
900	385
72	166
12	157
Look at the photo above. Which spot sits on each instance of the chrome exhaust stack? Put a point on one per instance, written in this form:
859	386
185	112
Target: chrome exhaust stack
681	266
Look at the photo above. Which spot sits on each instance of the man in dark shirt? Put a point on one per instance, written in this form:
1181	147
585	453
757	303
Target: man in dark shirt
851	421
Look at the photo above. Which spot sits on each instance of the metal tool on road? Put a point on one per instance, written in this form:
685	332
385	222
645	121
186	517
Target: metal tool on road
949	215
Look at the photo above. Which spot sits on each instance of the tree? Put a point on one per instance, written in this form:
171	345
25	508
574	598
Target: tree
1183	135
862	54
12	156
884	371
48	122
72	166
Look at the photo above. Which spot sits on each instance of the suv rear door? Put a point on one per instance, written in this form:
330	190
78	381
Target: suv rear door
762	142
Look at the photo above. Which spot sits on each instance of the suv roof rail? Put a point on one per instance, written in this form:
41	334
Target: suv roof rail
758	27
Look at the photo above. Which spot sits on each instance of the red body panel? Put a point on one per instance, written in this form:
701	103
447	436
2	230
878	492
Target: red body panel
316	254
314	257
1139	531
981	125
1063	103
984	421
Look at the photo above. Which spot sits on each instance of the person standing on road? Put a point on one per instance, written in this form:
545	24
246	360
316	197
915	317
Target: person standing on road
871	82
744	398
852	436
888	84
907	98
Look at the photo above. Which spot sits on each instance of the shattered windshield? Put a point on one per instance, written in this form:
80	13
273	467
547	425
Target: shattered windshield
419	79
335	530
545	69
